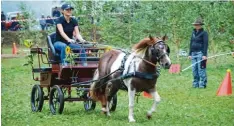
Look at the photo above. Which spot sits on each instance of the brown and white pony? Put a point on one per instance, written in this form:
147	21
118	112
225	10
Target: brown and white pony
153	50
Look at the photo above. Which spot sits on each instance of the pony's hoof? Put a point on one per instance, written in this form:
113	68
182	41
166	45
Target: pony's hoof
148	115
132	120
108	114
104	112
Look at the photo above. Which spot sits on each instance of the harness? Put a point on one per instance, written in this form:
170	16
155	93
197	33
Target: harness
136	74
142	75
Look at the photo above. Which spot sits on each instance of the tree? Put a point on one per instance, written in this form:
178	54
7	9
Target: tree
123	23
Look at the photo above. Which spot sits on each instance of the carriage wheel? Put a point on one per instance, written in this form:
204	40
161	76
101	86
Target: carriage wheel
37	98
89	105
56	100
113	103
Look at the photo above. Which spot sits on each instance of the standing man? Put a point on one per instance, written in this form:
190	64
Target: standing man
3	19
56	12
198	52
49	22
43	22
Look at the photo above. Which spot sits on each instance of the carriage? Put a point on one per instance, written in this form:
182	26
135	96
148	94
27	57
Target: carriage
59	83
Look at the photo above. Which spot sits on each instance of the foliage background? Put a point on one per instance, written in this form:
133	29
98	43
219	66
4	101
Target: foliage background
180	105
124	23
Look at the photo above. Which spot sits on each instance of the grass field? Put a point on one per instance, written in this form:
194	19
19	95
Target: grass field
180	105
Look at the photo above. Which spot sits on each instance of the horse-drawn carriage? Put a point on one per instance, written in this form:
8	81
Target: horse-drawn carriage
59	83
136	72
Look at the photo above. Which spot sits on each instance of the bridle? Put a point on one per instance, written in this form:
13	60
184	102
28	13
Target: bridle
153	51
155	56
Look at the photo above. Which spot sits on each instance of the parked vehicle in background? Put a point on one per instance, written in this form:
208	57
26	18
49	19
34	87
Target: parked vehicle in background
10	24
182	53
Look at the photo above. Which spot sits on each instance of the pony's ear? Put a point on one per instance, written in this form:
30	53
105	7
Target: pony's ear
151	38
165	37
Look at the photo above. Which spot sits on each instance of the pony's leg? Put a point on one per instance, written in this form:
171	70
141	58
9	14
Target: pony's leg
111	89
131	95
156	98
107	108
107	95
103	102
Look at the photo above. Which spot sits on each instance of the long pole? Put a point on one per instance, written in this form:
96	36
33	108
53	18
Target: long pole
207	58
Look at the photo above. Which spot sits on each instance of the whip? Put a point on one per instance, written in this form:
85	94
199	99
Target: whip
207	58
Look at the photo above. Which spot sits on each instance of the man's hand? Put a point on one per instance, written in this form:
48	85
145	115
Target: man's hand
190	57
204	57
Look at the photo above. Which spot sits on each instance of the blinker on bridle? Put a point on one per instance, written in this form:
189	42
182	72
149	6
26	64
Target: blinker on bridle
153	49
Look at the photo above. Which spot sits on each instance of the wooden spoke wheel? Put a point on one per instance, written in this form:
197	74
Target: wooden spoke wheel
37	98
56	100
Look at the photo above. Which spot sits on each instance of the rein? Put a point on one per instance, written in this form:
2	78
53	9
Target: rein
146	61
157	58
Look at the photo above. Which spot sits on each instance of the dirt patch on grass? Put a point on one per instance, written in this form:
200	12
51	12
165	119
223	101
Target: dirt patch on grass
9	56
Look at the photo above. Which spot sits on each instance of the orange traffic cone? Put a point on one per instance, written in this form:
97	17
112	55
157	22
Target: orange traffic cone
147	95
14	49
226	86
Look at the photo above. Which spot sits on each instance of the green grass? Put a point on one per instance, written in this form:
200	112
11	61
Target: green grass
180	104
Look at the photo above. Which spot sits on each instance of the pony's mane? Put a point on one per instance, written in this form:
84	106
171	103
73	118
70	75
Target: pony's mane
144	43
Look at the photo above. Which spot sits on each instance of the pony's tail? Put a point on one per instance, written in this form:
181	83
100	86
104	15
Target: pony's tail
93	90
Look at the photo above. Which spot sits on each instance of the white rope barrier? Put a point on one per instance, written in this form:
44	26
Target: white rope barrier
86	15
24	20
207	58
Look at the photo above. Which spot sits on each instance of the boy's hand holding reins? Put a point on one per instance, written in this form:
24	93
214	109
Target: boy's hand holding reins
80	38
71	41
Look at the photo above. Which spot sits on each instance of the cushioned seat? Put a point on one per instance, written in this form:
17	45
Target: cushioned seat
53	54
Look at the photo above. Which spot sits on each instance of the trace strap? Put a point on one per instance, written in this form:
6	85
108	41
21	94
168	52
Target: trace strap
140	75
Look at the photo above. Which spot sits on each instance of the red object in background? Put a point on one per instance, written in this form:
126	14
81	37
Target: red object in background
147	95
8	25
175	68
226	86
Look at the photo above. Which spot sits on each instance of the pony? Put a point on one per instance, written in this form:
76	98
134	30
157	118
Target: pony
116	69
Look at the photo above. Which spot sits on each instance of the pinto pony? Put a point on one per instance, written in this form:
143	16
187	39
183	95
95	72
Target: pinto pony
146	54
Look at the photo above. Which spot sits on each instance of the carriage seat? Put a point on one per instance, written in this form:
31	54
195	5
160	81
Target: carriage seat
53	54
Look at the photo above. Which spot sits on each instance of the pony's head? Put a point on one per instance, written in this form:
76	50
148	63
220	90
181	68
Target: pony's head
160	51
